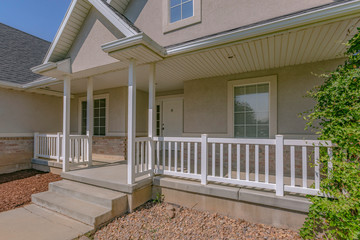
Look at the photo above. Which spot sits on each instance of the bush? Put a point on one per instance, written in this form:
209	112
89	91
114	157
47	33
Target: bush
336	117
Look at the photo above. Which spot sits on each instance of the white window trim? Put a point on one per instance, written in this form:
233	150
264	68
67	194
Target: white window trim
100	96
272	81
168	26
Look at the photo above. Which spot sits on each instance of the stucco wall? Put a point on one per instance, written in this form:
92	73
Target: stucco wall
22	112
86	51
217	16
205	100
117	111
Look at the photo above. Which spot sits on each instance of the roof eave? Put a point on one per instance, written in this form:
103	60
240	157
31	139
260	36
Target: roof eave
346	9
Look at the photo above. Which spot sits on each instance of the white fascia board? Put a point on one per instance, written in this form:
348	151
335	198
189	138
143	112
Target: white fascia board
323	14
43	67
113	18
38	83
60	30
138	39
10	85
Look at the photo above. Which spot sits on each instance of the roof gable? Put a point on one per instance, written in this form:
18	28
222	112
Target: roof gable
74	19
86	51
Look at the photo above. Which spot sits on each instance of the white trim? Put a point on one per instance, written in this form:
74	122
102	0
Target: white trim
272	80
346	9
105	96
60	30
169	26
113	18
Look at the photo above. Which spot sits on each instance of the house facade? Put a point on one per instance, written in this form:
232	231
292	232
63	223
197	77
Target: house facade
208	91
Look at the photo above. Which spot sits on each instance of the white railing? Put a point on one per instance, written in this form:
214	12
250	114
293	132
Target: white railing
49	146
276	164
142	157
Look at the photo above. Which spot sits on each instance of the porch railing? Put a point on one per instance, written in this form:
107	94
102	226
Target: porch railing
142	157
276	164
50	146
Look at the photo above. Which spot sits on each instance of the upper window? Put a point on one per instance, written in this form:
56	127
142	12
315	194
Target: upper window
181	9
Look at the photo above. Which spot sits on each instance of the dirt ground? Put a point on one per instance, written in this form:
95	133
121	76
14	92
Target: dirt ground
16	188
164	221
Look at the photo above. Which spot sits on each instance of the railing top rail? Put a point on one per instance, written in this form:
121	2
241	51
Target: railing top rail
142	139
311	143
177	139
78	136
242	141
46	135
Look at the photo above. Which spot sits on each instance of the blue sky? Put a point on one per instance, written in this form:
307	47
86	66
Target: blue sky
37	17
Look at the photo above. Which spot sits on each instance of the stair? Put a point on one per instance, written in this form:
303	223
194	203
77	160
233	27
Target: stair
85	203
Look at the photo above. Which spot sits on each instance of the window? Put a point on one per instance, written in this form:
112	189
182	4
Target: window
252	107
99	127
158	120
181	9
251	111
178	14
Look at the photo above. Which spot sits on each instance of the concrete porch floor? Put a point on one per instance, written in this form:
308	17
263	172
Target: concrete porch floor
110	175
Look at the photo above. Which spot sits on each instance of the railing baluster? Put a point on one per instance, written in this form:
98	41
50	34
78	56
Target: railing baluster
247	162
146	167
137	157
266	163
221	160
330	164
176	156
158	155
189	158
292	165
169	152
213	159
304	166
317	168
163	156
229	161
256	163
238	161
142	155
182	157
196	158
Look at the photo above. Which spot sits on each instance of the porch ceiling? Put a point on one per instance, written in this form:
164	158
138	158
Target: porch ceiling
297	46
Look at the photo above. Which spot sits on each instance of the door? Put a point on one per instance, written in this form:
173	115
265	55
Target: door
172	117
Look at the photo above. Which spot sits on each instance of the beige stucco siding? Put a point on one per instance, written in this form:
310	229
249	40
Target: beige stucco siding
117	106
23	112
217	16
86	51
205	100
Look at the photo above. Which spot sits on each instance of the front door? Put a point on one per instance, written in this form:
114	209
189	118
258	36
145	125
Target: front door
172	117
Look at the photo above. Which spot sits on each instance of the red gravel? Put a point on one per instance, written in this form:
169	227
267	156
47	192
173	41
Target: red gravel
162	221
16	188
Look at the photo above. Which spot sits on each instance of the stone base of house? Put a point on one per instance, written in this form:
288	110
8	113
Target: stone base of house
15	153
257	206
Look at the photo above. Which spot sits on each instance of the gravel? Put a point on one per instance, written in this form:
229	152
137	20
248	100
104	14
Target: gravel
164	221
16	188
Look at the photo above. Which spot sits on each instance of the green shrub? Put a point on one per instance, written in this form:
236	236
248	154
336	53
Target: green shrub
336	117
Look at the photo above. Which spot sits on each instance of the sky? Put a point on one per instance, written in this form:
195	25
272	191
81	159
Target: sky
40	18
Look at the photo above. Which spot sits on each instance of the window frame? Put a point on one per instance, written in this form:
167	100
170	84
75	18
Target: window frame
171	26
96	97
272	81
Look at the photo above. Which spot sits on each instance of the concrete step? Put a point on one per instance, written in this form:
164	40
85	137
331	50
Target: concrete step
83	211
114	200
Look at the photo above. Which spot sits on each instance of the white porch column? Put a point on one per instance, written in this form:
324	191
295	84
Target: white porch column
131	122
66	124
90	118
151	116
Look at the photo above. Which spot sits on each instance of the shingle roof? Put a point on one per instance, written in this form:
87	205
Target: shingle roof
19	51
